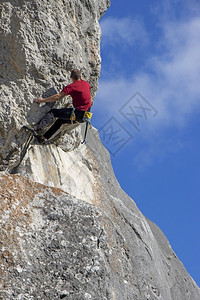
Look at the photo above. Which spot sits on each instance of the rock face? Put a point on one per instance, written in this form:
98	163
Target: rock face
67	229
41	41
57	246
50	244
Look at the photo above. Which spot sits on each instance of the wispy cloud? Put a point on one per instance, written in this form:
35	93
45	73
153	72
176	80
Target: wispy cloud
171	79
177	70
168	79
123	32
176	10
147	156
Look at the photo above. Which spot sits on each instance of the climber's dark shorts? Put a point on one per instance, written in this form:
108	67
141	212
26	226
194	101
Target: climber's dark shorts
63	116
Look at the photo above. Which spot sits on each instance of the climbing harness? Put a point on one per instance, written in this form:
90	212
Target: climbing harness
87	119
33	133
87	116
73	116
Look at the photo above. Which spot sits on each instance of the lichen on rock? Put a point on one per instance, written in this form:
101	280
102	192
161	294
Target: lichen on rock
49	244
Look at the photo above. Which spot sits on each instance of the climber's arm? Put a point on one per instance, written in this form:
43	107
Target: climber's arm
52	98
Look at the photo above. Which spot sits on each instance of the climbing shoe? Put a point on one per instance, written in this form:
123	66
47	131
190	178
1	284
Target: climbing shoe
40	138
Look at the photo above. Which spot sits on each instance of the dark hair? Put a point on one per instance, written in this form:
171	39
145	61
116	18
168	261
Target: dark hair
75	74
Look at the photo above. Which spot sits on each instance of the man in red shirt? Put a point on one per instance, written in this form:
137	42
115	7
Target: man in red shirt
79	90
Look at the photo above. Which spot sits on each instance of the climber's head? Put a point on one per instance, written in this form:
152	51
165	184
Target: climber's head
75	75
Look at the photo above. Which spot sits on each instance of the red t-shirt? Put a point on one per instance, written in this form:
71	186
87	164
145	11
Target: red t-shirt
79	90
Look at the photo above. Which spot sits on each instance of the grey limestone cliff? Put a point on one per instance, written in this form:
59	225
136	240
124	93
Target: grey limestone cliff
40	42
67	229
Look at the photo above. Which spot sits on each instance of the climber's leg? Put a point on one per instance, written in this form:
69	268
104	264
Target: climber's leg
63	113
55	127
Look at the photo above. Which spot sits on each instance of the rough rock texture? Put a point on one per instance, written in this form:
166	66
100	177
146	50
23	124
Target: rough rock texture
67	229
50	245
40	42
55	246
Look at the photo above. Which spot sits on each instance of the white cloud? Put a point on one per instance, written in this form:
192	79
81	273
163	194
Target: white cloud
171	82
178	71
156	152
123	32
175	10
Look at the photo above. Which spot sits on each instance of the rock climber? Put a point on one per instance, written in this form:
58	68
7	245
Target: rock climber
79	90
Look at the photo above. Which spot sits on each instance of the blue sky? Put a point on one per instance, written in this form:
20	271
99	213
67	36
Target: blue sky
147	112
